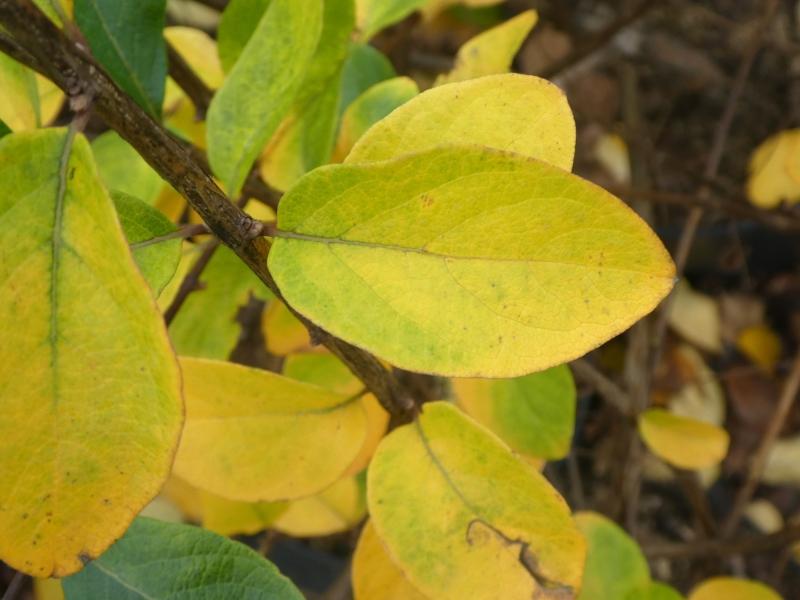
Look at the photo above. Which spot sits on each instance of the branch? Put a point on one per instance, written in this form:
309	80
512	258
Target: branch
45	48
751	544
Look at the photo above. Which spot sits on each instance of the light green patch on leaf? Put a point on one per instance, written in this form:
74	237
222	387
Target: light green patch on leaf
370	107
401	264
492	51
374	15
517	113
86	370
261	87
126	39
615	566
451	504
123	170
206	325
143	225
239	20
156	560
534	414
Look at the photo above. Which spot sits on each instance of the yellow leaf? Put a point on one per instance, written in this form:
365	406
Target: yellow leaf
329	372
51	99
186	497
47	589
492	51
334	510
683	442
452	504
518	113
611	152
533	414
199	51
28	100
434	7
91	389
775	170
401	263
283	332
254	436
231	517
761	345
730	588
696	317
374	575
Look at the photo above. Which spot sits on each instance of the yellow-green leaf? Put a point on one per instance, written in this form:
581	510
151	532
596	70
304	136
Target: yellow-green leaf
232	517
374	575
254	436
615	566
492	51
122	169
775	170
329	372
434	7
91	389
283	332
681	441
374	15
451	503
236	27
364	67
19	102
261	87
730	588
518	113
533	414
336	509
402	263
199	51
369	108
655	591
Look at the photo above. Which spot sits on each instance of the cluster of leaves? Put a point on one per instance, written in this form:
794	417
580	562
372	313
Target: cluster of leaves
449	237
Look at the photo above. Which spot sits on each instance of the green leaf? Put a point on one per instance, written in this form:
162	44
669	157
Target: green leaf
305	139
125	37
401	263
518	113
615	566
534	414
91	389
4	130
206	325
492	51
451	503
256	436
370	107
365	66
156	560
123	170
374	15
239	20
655	591
157	259
261	87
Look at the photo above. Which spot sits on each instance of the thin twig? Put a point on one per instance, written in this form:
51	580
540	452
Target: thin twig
15	586
191	282
184	232
787	398
612	393
194	87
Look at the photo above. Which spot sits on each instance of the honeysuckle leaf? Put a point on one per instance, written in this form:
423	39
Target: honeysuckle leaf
682	441
239	20
90	386
731	588
156	560
374	15
493	513
401	263
252	435
338	508
122	169
28	99
126	39
262	87
364	67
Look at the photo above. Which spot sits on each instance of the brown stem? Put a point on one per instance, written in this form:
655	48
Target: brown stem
189	82
191	282
751	544
72	69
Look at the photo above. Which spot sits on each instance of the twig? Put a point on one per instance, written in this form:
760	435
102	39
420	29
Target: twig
15	586
610	391
70	67
180	71
191	282
179	234
751	544
787	398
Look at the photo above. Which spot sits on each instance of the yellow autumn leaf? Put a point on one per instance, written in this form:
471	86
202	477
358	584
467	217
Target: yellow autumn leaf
517	113
199	51
696	317
28	100
761	345
47	589
374	575
336	509
90	386
492	51
400	264
451	503
252	435
683	442
283	332
434	7
612	153
232	517
730	588
775	170
326	370
186	497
